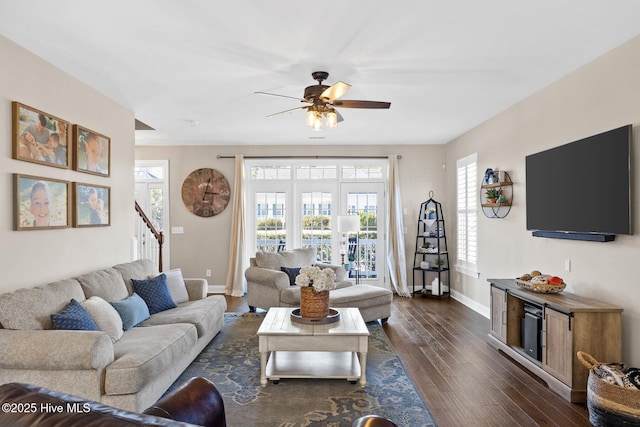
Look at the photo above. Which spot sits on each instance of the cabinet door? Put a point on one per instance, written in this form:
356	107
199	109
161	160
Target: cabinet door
499	314
557	345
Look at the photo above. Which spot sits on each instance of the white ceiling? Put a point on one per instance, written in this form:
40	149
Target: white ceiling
445	66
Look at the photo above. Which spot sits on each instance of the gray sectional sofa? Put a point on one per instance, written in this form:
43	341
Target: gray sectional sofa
130	373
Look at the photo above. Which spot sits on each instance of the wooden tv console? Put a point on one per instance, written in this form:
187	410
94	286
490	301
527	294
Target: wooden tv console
569	323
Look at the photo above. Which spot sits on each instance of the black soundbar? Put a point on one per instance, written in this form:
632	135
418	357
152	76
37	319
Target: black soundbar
569	235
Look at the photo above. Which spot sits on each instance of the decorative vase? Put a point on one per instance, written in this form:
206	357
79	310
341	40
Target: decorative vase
313	304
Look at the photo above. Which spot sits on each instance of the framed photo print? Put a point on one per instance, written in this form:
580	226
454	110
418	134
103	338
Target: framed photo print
39	137
91	205
92	151
41	203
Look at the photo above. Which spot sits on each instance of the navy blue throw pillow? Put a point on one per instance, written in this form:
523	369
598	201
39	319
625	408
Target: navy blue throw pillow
292	272
155	293
73	317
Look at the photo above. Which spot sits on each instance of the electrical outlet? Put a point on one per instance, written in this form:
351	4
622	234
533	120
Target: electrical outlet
208	273
567	265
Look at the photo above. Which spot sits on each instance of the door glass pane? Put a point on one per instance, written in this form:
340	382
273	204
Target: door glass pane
316	223
156	208
365	204
270	221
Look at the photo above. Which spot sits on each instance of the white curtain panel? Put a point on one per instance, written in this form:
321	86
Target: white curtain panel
235	285
396	259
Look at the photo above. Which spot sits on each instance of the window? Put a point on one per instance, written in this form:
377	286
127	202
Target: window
467	212
270	221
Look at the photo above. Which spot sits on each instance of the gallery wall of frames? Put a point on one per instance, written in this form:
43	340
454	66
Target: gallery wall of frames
41	202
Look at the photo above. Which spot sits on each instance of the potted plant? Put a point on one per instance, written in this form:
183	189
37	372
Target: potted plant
492	194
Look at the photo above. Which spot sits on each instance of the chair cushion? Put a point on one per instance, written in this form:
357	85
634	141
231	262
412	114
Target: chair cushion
155	293
361	296
73	317
106	317
295	258
132	311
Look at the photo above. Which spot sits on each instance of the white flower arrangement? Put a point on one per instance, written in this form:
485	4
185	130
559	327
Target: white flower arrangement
321	279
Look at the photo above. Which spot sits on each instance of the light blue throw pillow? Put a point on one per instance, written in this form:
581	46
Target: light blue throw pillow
73	317
155	293
132	311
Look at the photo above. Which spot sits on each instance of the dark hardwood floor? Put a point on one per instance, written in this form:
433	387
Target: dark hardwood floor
463	380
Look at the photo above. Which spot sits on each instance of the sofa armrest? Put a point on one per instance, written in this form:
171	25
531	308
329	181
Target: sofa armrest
55	349
267	277
339	270
195	402
196	288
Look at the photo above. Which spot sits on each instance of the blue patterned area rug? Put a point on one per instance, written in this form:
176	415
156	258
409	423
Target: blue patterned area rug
232	362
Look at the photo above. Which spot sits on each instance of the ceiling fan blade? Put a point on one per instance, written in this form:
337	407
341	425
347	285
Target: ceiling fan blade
351	103
335	91
288	111
282	96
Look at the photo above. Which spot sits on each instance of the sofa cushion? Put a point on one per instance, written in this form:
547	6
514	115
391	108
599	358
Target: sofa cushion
132	311
295	258
106	284
143	354
138	269
176	285
73	318
204	314
31	308
155	293
106	317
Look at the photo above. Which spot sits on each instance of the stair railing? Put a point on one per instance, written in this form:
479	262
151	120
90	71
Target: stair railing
150	250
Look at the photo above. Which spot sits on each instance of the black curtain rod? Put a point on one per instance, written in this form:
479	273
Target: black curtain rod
308	157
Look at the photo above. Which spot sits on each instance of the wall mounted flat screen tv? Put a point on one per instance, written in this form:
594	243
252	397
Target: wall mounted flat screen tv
582	189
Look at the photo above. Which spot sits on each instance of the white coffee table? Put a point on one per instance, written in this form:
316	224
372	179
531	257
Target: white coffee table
295	350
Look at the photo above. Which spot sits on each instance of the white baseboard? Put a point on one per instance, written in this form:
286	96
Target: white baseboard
216	289
473	305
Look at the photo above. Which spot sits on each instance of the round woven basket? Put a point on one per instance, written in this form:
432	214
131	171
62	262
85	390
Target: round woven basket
312	303
609	404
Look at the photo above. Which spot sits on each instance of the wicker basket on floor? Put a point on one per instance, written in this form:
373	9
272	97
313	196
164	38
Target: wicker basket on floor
609	405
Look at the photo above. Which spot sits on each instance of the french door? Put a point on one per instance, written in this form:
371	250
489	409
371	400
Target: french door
292	205
314	224
366	200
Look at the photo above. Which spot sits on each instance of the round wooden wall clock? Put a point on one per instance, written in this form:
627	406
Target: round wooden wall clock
205	192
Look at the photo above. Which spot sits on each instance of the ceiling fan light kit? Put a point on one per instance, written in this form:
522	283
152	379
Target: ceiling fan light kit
323	99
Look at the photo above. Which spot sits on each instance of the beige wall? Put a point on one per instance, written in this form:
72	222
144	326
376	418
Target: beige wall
205	242
29	258
600	96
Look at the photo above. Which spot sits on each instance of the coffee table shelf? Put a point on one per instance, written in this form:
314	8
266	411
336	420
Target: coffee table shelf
313	364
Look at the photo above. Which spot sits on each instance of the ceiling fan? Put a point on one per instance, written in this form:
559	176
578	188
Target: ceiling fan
322	100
